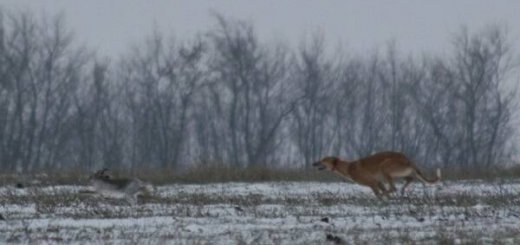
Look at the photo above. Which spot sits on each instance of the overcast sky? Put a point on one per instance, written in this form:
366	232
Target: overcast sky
111	26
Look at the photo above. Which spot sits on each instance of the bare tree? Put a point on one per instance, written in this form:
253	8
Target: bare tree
251	89
99	122
225	97
161	80
41	69
314	77
481	65
464	100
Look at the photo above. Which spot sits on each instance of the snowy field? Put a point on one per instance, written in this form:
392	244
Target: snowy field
265	213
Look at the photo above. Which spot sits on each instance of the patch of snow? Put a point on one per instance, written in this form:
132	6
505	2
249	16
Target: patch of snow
264	213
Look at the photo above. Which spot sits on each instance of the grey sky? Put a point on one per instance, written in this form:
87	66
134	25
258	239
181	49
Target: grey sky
111	26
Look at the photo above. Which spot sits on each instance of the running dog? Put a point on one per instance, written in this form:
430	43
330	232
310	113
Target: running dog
374	170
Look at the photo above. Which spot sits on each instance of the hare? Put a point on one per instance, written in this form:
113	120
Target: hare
106	184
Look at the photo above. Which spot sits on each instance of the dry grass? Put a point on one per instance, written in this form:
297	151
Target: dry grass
201	175
233	174
263	174
483	173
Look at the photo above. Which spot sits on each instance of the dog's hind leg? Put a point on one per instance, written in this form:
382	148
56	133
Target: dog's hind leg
376	191
383	189
408	181
390	181
378	188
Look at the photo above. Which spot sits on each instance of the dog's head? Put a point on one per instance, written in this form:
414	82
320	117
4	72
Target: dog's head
328	163
101	174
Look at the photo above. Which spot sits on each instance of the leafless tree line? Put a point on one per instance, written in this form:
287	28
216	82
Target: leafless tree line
224	97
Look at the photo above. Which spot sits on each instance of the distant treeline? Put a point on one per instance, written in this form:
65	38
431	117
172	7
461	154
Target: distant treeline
224	97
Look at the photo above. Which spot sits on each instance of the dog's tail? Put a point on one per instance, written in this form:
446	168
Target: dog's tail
422	178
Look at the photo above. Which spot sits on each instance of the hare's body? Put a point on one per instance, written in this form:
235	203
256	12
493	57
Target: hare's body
117	186
105	184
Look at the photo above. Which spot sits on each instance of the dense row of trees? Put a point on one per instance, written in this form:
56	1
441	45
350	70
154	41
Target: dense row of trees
224	97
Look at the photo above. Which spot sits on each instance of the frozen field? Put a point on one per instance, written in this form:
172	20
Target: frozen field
265	213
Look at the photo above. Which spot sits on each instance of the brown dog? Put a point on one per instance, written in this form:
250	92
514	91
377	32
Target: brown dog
374	170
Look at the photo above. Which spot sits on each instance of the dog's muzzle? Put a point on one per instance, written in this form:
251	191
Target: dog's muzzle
318	165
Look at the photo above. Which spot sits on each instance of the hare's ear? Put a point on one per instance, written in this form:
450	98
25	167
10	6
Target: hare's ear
105	174
101	172
104	170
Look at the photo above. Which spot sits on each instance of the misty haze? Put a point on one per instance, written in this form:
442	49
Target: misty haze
124	122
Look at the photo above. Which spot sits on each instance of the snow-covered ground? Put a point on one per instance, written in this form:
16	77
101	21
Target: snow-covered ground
265	213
